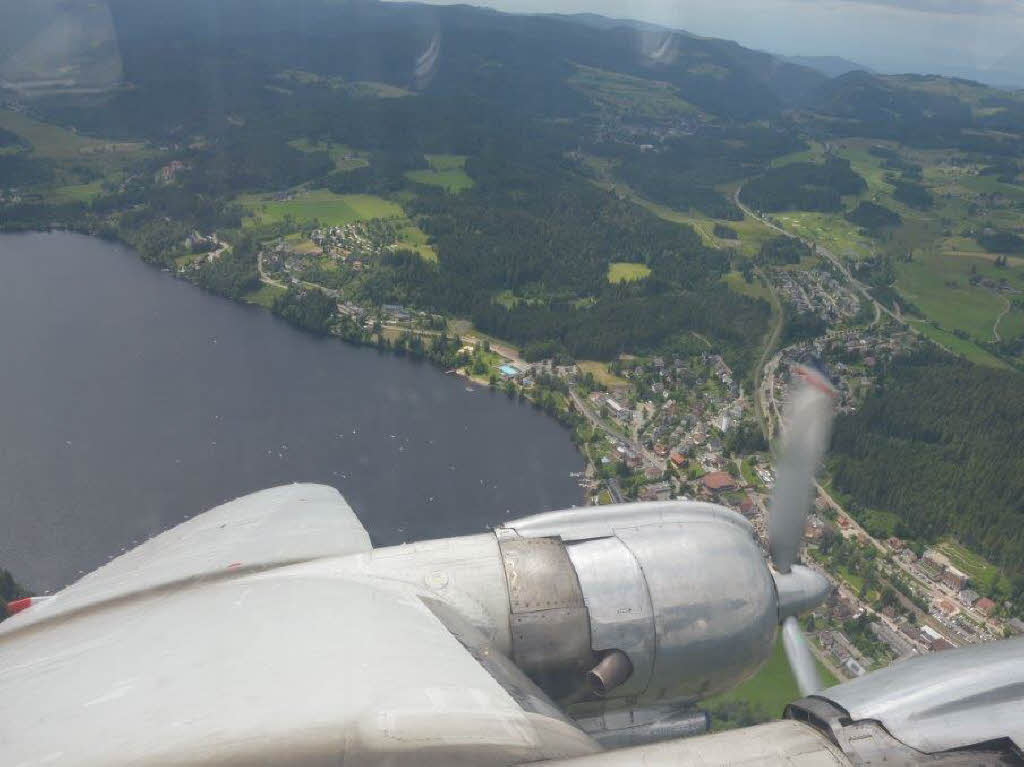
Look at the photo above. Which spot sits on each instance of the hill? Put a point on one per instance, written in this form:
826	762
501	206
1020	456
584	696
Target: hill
830	66
938	445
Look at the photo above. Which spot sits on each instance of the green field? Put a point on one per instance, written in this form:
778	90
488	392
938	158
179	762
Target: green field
412	237
980	569
830	231
78	192
814	153
966	349
939	285
60	144
600	372
770	689
265	296
631	95
328	208
344	157
367	89
755	289
625	272
446	171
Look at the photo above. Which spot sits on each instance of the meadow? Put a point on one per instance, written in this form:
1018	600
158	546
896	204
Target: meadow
625	272
446	171
328	208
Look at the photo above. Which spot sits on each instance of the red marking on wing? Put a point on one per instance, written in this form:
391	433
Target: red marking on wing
17	605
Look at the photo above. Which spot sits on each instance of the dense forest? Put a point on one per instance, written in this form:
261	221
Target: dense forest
803	186
1001	242
873	217
782	250
638	320
941	444
912	194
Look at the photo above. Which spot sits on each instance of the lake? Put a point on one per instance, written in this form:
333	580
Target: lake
130	400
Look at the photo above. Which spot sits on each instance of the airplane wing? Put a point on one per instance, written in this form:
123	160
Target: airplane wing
273	527
288	666
238	637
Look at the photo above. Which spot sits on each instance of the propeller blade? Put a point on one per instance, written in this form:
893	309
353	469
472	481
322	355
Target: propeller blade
807	423
801	661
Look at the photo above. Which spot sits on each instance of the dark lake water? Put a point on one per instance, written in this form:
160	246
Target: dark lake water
130	400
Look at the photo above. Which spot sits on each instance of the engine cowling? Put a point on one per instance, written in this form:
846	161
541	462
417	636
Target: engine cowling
681	590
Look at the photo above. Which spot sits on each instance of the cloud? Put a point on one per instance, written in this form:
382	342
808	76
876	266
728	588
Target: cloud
948	7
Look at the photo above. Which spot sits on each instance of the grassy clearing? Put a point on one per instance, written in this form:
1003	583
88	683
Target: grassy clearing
360	88
771	688
830	231
446	171
620	271
328	208
815	153
344	157
755	289
61	144
300	244
374	90
265	296
600	372
980	569
939	285
633	95
78	192
966	349
412	237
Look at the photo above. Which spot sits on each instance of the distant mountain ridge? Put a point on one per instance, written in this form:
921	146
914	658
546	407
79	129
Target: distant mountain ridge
831	66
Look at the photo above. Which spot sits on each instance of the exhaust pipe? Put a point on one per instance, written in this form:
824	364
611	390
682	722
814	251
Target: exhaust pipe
613	669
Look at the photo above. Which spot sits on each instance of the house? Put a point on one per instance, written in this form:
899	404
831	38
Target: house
718	480
968	597
955	579
660	450
985	606
678	460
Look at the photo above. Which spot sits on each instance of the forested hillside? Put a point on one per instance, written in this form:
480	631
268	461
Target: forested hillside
804	186
942	446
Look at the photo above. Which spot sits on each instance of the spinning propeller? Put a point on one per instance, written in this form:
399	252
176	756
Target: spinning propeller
805	438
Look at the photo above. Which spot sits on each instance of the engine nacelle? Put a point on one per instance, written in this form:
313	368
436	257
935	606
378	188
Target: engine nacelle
668	601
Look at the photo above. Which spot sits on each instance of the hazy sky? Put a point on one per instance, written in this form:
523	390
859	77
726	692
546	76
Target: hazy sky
944	36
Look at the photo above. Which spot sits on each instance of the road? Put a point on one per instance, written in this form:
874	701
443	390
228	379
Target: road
995	325
769	346
650	459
